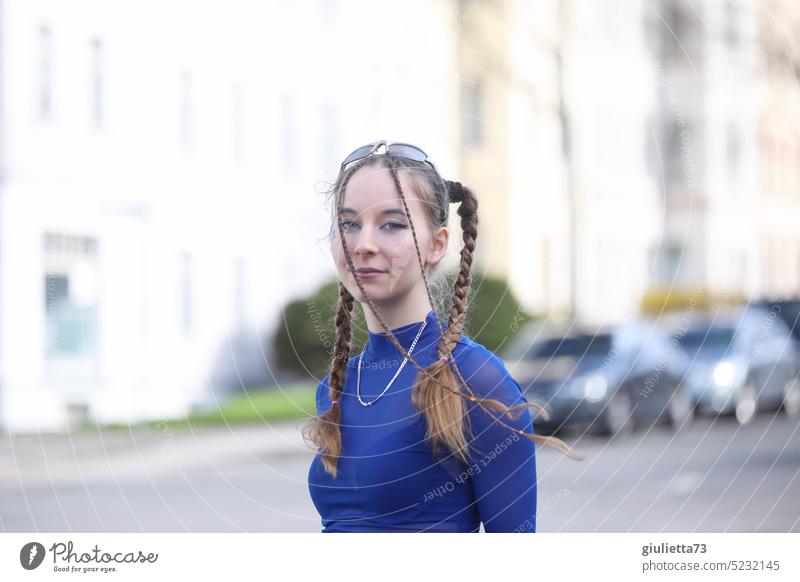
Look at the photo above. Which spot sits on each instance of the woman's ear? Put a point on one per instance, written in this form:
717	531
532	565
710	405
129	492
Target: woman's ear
438	245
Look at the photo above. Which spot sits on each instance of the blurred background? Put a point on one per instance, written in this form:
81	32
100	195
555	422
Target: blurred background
165	275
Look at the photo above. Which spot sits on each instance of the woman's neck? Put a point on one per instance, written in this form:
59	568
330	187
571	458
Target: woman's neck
395	316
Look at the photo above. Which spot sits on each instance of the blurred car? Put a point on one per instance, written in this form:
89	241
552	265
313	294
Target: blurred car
787	309
610	380
742	359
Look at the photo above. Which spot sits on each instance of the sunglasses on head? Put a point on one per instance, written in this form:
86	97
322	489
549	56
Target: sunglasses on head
401	150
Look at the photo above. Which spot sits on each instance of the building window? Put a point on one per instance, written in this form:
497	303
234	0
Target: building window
665	261
652	153
652	31
186	113
71	296
768	152
328	10
793	169
733	149
97	87
675	147
237	123
240	292
781	165
769	269
187	293
45	73
472	113
330	137
678	32
732	23
288	133
545	273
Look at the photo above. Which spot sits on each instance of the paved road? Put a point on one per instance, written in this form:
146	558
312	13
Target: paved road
715	477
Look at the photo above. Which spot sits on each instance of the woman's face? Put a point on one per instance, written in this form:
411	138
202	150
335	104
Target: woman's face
379	236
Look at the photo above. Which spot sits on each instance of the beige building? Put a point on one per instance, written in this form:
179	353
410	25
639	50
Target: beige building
509	145
556	102
779	148
706	163
628	146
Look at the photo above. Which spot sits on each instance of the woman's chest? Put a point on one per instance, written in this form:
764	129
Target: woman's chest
386	467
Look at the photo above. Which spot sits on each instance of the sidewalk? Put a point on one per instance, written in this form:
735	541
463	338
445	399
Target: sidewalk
36	459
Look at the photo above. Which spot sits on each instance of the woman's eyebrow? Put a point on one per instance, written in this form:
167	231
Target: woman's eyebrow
399	211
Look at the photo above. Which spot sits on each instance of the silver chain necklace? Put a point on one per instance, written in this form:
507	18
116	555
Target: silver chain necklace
400	369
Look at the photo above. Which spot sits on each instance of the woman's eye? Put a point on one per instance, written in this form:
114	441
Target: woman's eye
349	225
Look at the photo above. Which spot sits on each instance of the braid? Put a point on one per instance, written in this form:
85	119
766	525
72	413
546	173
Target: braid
344	317
327	428
468	211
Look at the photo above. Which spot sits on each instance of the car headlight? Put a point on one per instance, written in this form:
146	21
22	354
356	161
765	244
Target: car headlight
723	374
595	388
592	388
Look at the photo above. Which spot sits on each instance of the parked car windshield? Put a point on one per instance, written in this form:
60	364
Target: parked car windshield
705	340
790	313
575	346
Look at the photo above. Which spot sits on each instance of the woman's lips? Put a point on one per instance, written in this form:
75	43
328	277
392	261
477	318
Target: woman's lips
369	274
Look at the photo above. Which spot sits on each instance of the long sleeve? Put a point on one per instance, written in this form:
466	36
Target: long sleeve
503	463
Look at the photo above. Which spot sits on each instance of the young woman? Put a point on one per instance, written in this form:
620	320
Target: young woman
424	430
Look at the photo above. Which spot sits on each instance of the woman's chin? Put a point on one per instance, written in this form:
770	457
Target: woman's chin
375	298
374	290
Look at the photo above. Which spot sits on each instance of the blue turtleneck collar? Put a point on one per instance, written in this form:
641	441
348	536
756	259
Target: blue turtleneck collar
380	345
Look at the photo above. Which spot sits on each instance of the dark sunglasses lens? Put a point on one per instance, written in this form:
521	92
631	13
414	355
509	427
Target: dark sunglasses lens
408	151
358	154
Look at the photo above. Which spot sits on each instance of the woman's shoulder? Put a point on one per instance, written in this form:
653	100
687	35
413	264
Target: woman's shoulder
484	371
474	354
467	344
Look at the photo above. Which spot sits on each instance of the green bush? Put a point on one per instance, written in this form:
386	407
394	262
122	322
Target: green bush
495	314
305	337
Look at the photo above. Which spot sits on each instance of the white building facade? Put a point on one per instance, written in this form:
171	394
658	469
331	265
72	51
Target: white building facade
707	160
610	97
160	172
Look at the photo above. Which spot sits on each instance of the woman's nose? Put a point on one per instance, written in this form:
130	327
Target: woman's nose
365	242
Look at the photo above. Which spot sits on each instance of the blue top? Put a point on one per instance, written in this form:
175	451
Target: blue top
388	479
